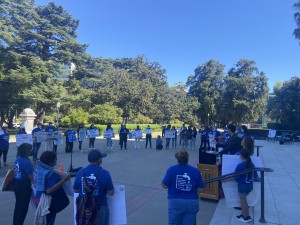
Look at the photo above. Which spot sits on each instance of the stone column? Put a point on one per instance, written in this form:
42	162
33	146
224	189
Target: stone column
28	116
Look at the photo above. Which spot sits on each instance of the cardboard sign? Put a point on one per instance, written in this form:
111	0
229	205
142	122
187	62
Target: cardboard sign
148	131
137	134
116	205
23	138
93	133
40	136
57	135
108	134
170	133
272	134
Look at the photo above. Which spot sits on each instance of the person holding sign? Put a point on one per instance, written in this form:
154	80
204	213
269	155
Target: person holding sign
94	176
168	139
109	135
123	137
4	145
174	138
70	138
22	130
49	143
23	179
81	133
138	136
183	183
148	132
36	144
91	139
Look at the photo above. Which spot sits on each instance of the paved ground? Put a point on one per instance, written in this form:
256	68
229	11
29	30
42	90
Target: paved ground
141	170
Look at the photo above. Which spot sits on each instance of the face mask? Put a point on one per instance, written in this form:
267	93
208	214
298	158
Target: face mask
40	127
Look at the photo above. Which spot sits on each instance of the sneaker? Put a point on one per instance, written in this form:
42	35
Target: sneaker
244	219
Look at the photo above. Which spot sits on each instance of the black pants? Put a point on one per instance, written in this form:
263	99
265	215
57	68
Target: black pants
22	193
54	148
203	144
91	142
4	152
123	142
80	143
69	147
148	139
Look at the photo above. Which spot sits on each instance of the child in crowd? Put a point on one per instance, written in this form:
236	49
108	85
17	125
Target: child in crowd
159	143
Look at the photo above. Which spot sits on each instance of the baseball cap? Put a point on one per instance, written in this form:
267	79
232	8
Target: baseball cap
95	154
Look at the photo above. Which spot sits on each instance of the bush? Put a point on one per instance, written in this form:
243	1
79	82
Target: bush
103	114
75	117
140	118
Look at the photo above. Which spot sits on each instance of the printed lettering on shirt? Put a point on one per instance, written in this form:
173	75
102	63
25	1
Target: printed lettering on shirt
183	182
17	171
92	181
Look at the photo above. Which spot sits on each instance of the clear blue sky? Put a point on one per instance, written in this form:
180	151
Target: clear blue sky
181	35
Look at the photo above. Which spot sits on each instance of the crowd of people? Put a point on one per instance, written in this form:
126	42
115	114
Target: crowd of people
182	181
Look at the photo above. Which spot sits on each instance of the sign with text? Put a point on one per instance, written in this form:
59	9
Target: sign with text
23	138
93	133
170	133
137	134
82	135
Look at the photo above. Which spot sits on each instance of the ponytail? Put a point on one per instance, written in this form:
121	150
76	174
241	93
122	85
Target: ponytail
249	165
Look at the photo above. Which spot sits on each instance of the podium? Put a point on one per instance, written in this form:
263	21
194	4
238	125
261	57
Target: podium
211	190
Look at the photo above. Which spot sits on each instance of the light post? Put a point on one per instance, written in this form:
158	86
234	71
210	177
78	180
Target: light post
57	113
208	119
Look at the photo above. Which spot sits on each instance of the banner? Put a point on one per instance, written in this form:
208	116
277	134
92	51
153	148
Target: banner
137	134
23	138
170	133
82	134
93	133
116	205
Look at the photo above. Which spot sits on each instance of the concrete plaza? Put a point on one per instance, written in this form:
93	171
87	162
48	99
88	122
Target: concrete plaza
141	171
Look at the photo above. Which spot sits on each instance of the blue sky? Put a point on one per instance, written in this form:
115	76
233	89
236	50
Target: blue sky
181	35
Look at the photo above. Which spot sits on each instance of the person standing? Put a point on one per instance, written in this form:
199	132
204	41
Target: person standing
36	145
95	174
138	137
183	183
234	143
189	136
23	169
81	129
148	132
123	137
193	137
204	138
70	138
179	132
49	143
174	139
53	185
4	146
110	130
92	139
168	139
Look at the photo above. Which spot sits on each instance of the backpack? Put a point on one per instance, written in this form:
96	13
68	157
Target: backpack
87	209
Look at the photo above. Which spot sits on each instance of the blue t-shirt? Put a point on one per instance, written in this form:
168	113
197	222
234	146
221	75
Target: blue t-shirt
243	178
51	179
4	141
103	183
36	130
70	135
204	134
22	168
50	129
183	182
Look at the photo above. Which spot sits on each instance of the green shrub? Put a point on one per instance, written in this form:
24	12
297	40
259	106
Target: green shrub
140	118
75	117
103	114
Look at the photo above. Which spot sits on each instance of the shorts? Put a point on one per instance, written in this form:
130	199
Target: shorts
245	189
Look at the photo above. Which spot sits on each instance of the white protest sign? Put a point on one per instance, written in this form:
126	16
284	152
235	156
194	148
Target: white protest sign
229	163
148	131
108	134
170	133
82	135
40	136
23	138
116	205
272	134
93	133
58	142
56	135
1	131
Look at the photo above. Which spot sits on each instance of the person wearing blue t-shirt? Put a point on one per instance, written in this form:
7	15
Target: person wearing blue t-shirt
245	183
4	146
70	138
183	183
109	143
49	142
94	173
53	183
204	138
23	179
36	145
22	130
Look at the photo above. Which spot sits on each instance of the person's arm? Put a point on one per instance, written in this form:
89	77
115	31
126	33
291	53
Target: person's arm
164	186
57	185
111	192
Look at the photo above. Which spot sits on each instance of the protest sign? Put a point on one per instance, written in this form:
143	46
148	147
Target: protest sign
116	205
58	142
170	133
56	135
82	134
137	134
93	133
40	136
272	134
23	138
148	131
108	134
229	163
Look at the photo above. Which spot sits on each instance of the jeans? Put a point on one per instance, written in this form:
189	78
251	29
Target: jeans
183	211
80	144
137	143
168	142
69	147
174	142
148	139
103	216
35	149
4	152
123	142
108	143
22	193
193	141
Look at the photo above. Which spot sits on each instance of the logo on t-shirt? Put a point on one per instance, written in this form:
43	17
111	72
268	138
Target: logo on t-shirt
92	182
183	182
17	171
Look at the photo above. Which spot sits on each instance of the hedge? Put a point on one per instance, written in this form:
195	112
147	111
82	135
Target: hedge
284	126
